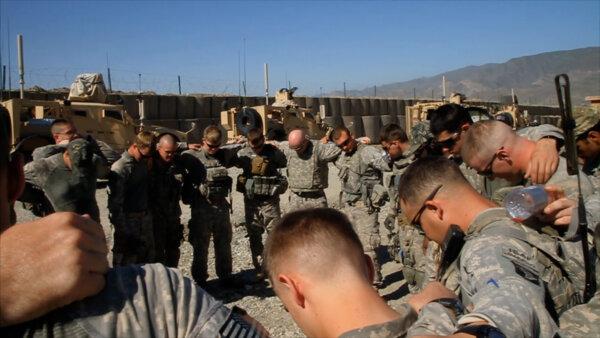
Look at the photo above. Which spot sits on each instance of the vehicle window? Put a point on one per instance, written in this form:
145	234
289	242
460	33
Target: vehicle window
114	114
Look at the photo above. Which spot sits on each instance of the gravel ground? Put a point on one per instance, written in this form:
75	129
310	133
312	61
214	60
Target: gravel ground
257	299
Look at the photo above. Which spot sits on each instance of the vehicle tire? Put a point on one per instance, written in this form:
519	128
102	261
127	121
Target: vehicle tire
247	119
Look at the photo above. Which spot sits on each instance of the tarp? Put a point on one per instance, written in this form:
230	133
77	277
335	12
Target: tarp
88	87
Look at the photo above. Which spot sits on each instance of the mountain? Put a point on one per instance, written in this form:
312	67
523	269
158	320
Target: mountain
531	77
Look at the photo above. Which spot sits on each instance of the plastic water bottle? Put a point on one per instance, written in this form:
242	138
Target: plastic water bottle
523	202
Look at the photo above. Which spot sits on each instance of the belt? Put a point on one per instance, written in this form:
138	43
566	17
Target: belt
310	194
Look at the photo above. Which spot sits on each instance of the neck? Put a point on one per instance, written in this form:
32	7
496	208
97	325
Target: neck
522	157
342	313
466	212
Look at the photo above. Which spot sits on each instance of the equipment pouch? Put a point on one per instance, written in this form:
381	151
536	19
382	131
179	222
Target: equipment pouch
379	195
453	243
260	166
240	185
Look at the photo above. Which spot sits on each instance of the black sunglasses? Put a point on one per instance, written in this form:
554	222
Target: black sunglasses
213	146
416	219
488	172
345	143
449	142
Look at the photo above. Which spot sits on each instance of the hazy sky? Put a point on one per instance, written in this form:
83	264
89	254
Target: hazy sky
312	44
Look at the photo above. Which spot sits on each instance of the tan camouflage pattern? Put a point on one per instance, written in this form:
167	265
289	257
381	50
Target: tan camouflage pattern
297	202
434	320
260	216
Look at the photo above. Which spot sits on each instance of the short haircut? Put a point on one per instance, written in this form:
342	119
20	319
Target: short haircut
317	238
58	126
584	135
144	139
484	138
393	132
425	174
254	135
449	118
166	138
337	132
212	134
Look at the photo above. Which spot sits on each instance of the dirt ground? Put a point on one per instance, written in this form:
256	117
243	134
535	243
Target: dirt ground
257	299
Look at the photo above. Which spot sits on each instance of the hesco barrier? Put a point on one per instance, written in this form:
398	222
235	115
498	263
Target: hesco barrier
325	102
374	106
151	107
383	107
202	107
366	106
386	119
185	107
334	105
346	107
167	107
312	103
333	121
371	125
351	122
301	101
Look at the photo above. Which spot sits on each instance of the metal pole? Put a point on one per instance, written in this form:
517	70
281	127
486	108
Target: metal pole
344	89
321	90
140	83
414	93
267	83
21	66
179	83
375	91
9	58
109	81
245	67
443	87
239	75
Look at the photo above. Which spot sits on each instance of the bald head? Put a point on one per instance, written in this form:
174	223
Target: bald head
166	147
297	139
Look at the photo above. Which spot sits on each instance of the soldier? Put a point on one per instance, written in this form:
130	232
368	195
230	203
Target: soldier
362	194
68	179
308	170
418	267
319	248
165	180
493	149
587	132
514	280
448	124
128	203
261	183
63	132
206	187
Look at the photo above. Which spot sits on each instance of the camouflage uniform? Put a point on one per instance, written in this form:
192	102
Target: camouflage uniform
68	189
406	242
165	180
140	301
592	169
420	133
308	174
206	187
261	185
360	173
515	277
128	211
393	328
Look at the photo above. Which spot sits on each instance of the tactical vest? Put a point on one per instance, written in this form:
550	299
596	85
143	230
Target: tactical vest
218	183
304	173
260	180
69	193
555	258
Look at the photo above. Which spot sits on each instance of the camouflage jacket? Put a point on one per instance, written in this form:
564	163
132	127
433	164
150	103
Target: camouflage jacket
309	171
505	279
128	184
65	189
592	169
361	170
394	328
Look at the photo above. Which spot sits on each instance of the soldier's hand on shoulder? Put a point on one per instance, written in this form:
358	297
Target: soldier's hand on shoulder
431	292
194	146
49	263
544	161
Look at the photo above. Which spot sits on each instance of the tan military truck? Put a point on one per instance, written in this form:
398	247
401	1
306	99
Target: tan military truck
276	120
31	120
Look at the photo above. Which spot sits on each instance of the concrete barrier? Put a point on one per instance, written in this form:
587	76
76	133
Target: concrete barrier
346	107
185	107
202	106
167	107
372	126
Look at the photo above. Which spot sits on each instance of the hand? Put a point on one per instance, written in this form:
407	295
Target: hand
559	209
195	146
364	139
49	263
325	139
431	292
544	161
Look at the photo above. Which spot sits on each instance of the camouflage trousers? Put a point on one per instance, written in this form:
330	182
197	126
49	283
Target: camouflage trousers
582	320
316	200
168	234
210	220
134	240
366	224
418	265
260	216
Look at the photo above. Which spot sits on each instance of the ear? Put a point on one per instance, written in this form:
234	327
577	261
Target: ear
503	155
293	288
465	126
436	207
370	268
594	136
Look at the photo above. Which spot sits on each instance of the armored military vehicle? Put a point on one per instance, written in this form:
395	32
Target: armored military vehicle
110	123
276	120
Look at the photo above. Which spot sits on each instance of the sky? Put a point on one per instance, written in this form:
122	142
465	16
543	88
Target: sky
314	45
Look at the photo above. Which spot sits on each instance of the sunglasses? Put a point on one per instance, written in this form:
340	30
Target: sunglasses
488	172
213	146
345	143
416	219
449	142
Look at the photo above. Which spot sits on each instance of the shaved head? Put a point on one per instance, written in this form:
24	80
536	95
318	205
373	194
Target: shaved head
166	140
484	138
296	138
166	147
